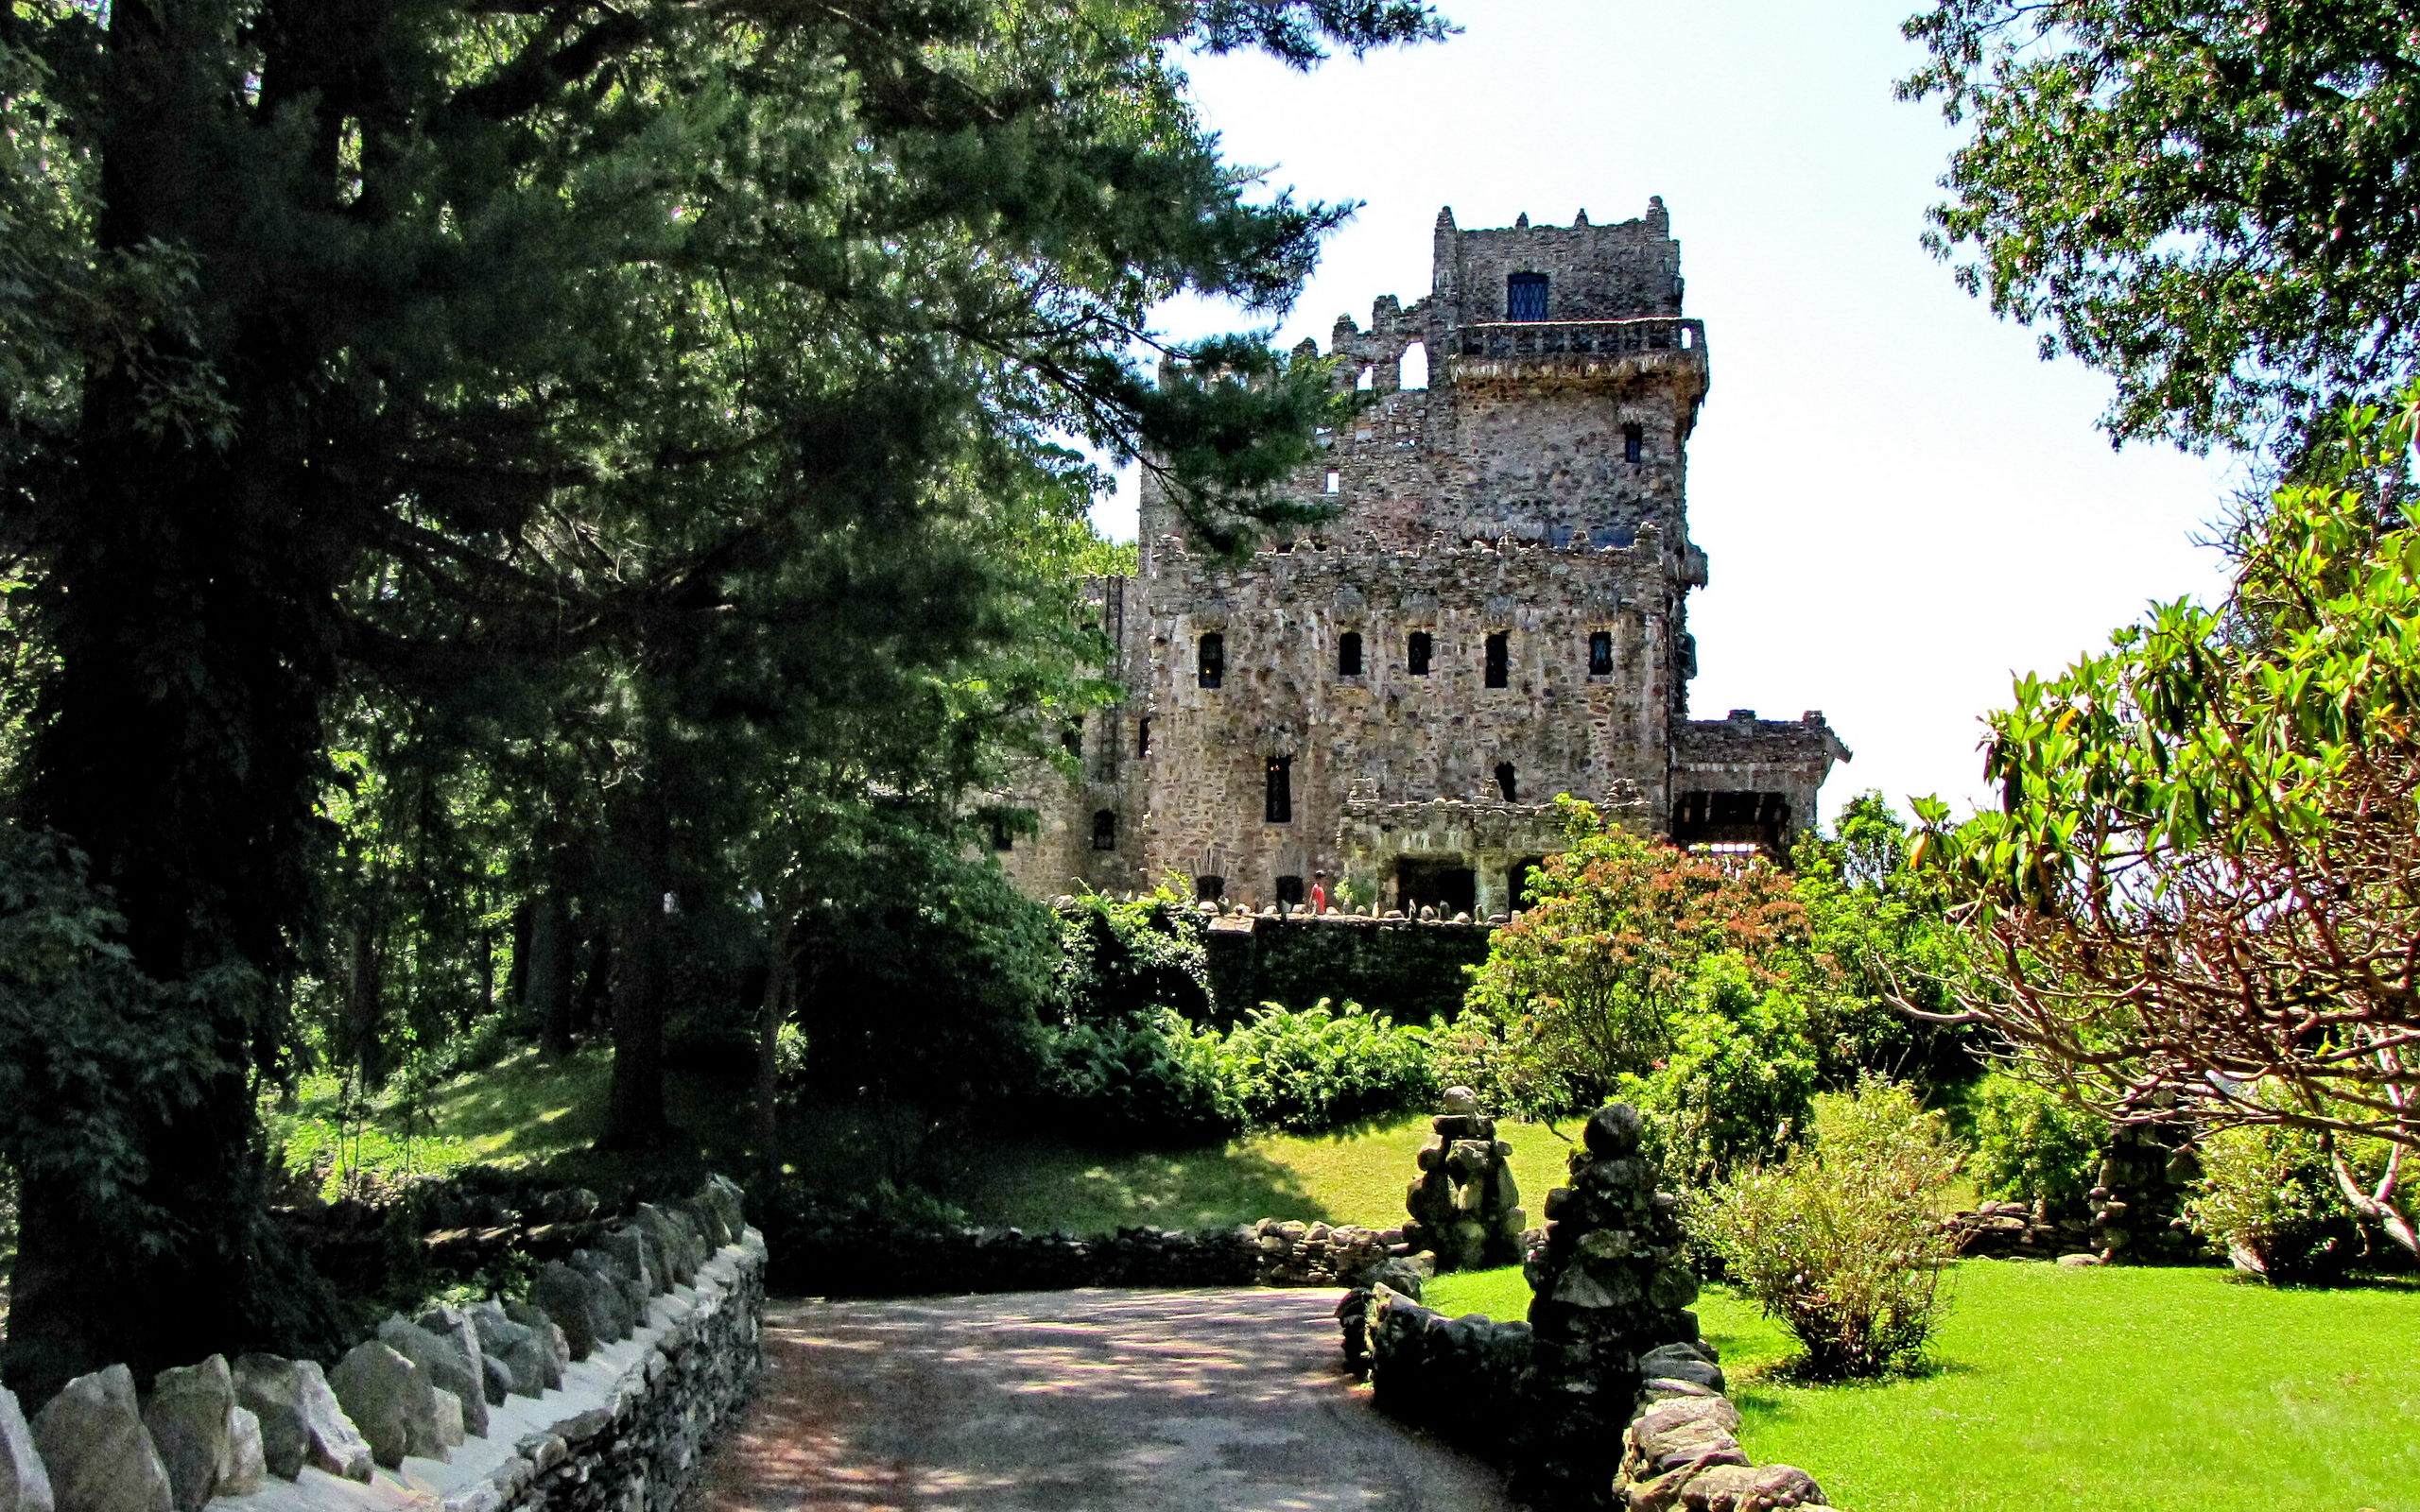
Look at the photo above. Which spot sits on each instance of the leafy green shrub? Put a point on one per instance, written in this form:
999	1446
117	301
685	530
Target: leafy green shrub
1737	1087
1587	986
1123	958
1312	1070
2033	1145
1840	1241
2269	1200
1150	1077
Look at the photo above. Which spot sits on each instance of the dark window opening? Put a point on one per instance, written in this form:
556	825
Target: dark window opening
1416	653
1633	443
1448	886
1214	660
1500	659
1105	830
1209	890
1143	736
1279	807
1348	654
1525	297
1507	782
1290	891
1601	653
1519	890
1073	736
1002	838
1733	819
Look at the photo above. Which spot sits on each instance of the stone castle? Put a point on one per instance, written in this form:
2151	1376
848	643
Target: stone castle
1497	614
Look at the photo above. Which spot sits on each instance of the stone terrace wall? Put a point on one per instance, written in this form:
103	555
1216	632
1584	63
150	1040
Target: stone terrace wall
1409	970
604	1399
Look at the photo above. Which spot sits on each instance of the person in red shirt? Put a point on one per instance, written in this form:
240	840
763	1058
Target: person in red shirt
1319	893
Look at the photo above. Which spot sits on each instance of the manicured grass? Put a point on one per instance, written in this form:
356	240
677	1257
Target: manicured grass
2098	1390
1356	1175
535	1111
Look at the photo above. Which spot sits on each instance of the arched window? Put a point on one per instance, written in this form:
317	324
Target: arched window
1601	653
1105	828
1415	366
1507	782
1416	653
1633	443
1368	380
1278	808
1525	297
1209	890
1348	654
1500	659
1213	660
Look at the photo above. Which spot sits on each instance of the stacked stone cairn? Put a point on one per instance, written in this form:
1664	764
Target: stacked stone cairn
1465	1208
418	1388
1625	1399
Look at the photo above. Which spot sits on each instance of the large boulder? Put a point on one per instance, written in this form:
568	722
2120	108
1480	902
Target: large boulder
512	1348
621	1297
194	1421
729	1205
676	1238
97	1453
390	1400
550	1337
447	1365
300	1423
24	1485
455	1323
449	1418
570	1297
636	1255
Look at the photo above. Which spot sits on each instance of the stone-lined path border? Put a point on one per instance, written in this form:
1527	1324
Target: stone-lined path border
1196	1401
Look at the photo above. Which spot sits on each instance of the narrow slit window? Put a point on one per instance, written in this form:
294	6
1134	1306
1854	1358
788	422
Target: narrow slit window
1334	481
1143	736
1213	660
1633	443
1105	828
1416	654
1508	784
1601	653
1073	736
1525	297
1348	654
1500	659
1279	806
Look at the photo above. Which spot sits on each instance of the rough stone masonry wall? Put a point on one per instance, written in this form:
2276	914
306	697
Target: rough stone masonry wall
602	1401
1409	970
1387	732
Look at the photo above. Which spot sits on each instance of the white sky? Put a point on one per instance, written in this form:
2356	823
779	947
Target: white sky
1902	505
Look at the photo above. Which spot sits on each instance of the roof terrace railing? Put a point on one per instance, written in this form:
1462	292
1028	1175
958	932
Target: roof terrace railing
1535	339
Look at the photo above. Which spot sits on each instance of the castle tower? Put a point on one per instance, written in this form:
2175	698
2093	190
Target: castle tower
1496	613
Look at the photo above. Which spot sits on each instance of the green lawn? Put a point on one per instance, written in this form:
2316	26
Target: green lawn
532	1111
2112	1390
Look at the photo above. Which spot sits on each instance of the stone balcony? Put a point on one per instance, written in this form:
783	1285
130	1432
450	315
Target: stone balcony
1609	350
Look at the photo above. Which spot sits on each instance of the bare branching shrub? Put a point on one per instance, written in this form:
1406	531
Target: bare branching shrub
1841	1240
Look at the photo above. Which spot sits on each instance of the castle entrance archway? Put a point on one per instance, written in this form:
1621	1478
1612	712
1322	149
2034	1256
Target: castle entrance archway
1446	883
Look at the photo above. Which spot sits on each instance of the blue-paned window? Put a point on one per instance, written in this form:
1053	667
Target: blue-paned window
1525	297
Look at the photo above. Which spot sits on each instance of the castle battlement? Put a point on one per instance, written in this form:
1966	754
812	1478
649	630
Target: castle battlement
1496	613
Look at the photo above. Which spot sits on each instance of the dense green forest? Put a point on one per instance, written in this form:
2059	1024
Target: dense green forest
534	505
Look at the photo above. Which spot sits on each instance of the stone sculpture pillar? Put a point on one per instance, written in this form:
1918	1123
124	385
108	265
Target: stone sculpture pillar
1610	1309
1465	1208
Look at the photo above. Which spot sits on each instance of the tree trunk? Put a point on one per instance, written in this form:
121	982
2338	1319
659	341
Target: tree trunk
634	1115
546	972
364	999
190	596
